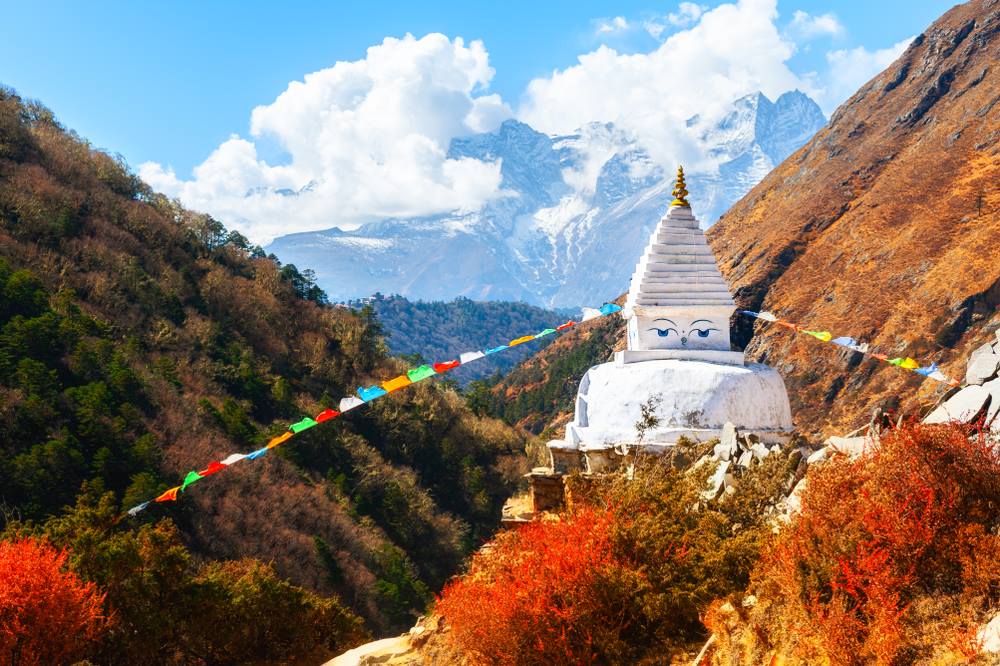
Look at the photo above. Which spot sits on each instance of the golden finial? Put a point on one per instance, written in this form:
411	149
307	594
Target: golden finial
680	192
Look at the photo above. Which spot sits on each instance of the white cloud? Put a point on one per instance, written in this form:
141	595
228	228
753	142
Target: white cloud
367	139
686	14
849	69
805	26
732	50
609	26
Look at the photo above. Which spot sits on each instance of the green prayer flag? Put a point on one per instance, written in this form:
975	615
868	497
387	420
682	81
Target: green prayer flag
423	372
548	331
190	478
304	424
895	361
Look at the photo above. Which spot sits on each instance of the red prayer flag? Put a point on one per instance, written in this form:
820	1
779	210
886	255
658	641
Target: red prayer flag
445	367
565	326
326	415
168	496
213	467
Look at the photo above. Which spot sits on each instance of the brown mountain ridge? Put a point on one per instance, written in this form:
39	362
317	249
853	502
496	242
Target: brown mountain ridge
883	227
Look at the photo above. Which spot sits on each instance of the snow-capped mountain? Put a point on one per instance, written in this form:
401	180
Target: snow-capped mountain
578	210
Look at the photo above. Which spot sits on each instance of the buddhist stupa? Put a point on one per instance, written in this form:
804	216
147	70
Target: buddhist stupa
678	351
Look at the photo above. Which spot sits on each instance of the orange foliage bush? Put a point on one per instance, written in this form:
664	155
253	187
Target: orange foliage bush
910	524
536	596
47	615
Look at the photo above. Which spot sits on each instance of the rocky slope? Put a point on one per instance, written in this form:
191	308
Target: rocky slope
883	227
579	209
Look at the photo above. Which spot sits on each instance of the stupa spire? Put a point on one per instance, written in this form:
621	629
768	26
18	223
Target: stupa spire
680	190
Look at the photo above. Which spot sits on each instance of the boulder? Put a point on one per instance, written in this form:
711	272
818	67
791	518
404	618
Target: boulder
716	481
849	446
964	406
983	350
993	411
818	456
989	636
759	451
982	368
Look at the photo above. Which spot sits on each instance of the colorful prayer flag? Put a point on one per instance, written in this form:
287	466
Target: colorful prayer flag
347	404
495	350
326	415
304	424
396	383
284	437
819	335
468	357
137	508
446	366
213	467
927	371
419	373
520	341
548	331
609	308
233	458
169	495
370	393
253	455
190	478
563	327
590	313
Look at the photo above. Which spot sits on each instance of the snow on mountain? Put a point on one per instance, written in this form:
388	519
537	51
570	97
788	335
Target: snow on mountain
579	208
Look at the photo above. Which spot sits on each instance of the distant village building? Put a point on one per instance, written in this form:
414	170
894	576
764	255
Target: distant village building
678	362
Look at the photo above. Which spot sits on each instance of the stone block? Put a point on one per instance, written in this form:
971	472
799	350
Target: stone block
759	451
745	459
601	460
547	492
982	368
563	459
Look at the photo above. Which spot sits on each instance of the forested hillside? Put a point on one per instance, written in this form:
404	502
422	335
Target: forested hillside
439	330
139	340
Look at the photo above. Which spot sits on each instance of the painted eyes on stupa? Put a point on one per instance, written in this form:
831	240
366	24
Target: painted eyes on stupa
664	332
704	332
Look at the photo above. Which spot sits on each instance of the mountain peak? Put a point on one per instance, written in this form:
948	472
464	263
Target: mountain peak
580	209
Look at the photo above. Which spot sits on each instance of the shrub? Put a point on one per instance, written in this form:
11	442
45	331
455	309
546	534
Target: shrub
886	546
536	597
47	615
622	579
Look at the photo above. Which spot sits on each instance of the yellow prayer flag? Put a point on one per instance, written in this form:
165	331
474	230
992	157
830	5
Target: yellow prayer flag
396	383
909	363
822	335
520	341
278	440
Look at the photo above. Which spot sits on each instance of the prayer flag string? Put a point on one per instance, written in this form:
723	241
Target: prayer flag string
908	363
365	395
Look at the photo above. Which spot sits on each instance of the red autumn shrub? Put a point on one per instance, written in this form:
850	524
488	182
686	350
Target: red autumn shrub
899	540
47	614
535	597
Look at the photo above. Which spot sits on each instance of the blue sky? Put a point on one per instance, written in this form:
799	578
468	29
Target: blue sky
169	83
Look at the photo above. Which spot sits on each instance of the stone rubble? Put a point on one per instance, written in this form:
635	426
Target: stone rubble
980	398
